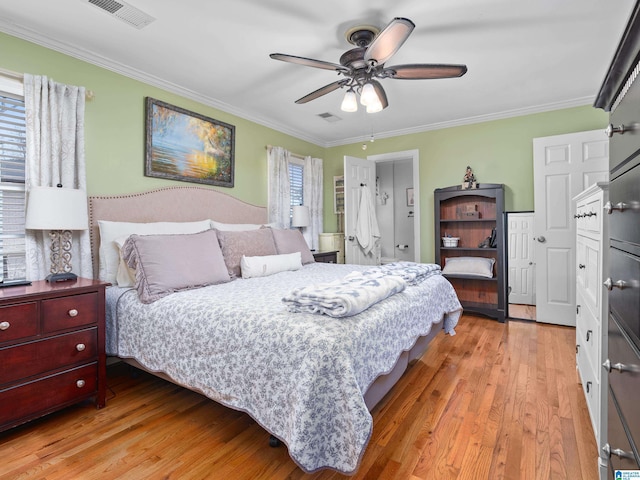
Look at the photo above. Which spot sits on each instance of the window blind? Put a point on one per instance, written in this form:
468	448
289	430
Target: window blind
296	181
12	188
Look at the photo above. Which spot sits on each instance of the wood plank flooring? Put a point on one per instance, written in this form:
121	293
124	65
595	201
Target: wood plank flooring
495	401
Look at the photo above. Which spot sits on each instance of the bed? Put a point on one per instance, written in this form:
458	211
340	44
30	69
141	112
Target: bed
309	380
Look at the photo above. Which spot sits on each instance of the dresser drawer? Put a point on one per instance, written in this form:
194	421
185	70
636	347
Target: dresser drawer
590	216
624	302
625	385
591	274
69	312
617	440
34	399
587	337
625	225
590	386
33	358
18	321
621	147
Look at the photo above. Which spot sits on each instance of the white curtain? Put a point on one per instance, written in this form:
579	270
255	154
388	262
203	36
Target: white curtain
279	188
313	188
54	155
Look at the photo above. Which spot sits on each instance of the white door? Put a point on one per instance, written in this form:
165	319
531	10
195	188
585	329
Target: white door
357	172
520	251
563	166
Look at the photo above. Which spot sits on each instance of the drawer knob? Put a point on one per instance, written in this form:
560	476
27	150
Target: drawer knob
80	383
609	207
73	312
4	325
621	284
616	451
611	129
80	347
581	266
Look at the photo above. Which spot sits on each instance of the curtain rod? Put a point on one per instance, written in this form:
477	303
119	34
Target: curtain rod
88	94
295	155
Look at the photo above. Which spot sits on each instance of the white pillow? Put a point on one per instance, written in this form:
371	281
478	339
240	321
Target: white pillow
109	253
126	276
477	266
239	227
269	264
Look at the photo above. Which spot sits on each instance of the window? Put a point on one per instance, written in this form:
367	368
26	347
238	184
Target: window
296	181
12	188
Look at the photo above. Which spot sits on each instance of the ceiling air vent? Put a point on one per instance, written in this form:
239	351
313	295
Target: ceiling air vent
123	11
329	117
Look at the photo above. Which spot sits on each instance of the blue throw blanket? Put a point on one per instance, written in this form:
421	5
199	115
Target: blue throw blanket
342	298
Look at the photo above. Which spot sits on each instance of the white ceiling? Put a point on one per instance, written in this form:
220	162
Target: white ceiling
523	56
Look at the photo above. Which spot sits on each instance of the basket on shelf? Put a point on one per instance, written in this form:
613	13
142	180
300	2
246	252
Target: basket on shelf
450	241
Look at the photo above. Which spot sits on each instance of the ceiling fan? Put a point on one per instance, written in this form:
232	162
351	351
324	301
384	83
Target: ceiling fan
363	65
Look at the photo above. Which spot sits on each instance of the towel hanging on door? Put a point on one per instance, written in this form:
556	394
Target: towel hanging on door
367	231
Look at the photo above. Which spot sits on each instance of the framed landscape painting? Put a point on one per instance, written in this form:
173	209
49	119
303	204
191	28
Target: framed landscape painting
186	146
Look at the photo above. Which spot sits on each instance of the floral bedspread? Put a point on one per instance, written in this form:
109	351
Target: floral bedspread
299	375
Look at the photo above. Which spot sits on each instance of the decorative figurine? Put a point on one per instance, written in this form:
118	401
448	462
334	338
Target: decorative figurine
469	180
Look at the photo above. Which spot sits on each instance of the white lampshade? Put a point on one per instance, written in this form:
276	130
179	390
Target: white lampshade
300	216
349	102
368	95
374	106
56	208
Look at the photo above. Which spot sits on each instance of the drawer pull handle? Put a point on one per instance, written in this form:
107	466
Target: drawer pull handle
73	312
621	284
4	325
588	386
589	333
611	129
581	266
80	383
80	347
616	451
609	207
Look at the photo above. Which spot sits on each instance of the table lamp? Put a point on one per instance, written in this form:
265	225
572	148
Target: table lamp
300	216
59	210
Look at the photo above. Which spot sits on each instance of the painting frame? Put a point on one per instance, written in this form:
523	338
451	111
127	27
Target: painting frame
410	198
187	146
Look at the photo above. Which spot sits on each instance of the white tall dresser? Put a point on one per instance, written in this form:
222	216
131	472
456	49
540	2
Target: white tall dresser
592	306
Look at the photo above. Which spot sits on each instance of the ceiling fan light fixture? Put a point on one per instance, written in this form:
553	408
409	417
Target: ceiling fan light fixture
368	95
374	107
349	102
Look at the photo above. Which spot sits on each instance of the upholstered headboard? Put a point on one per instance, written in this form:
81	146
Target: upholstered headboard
170	204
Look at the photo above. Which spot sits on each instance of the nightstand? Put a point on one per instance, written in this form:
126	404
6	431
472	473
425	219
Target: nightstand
52	348
326	257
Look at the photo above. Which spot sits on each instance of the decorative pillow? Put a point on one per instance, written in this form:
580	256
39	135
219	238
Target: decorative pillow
478	266
169	263
290	241
108	253
125	276
269	264
238	227
250	243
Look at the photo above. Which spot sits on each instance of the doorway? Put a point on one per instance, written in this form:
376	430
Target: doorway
521	266
401	242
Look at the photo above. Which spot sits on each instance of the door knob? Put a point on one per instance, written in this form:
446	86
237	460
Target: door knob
541	239
350	238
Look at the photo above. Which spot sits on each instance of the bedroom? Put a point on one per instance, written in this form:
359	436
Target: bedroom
499	149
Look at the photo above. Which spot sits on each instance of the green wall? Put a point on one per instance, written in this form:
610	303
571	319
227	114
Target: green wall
499	151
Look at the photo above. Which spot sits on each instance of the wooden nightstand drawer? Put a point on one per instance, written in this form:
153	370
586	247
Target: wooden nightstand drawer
18	321
68	312
33	358
326	257
47	394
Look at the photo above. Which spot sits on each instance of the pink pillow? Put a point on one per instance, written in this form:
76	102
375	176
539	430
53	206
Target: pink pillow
169	263
291	241
250	243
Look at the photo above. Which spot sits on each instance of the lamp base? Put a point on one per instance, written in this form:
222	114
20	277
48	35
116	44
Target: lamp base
61	277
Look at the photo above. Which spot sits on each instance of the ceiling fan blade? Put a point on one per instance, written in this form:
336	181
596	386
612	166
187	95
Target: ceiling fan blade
322	91
389	40
424	71
309	62
382	96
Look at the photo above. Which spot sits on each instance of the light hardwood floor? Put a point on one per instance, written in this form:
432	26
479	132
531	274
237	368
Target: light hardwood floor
495	401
